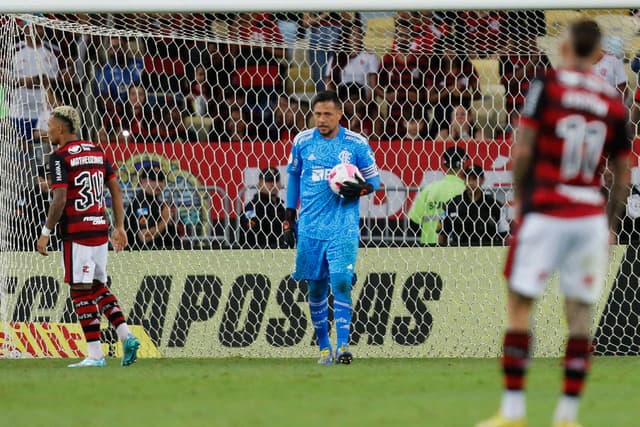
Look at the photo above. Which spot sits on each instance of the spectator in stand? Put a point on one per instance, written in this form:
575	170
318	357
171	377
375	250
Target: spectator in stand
462	127
40	129
150	225
164	69
218	61
111	128
355	67
610	67
452	81
413	129
262	218
138	122
121	71
635	105
200	93
428	29
289	118
34	66
237	127
359	114
428	207
221	111
290	25
517	71
324	34
257	64
472	218
170	126
401	81
481	33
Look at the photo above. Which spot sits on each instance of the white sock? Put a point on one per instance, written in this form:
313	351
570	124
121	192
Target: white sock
513	405
567	409
95	350
123	331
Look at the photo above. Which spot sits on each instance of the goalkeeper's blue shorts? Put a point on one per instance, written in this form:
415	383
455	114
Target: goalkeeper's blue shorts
317	259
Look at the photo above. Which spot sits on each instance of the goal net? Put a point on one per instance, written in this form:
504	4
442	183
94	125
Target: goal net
197	113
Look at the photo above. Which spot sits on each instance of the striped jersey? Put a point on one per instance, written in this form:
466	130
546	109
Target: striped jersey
83	169
581	121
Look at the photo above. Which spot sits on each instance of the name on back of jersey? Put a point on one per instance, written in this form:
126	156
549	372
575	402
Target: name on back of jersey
86	160
585	101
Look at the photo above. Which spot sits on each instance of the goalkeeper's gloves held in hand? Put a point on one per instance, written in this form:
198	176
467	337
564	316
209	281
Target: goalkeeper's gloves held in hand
353	190
289	228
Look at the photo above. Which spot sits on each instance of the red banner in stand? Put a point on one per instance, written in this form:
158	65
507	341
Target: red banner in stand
223	164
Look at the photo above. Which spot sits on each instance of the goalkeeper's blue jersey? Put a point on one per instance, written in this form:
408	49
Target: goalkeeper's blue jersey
323	214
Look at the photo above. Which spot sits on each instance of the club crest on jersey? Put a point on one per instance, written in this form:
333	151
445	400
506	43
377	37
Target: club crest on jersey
344	156
75	149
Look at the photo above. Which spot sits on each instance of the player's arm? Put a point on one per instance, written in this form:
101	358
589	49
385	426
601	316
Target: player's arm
294	169
620	168
56	208
525	139
165	219
371	182
522	157
119	237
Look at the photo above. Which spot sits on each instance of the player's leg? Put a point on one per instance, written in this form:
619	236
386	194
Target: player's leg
109	306
79	269
311	265
318	293
531	260
341	256
581	281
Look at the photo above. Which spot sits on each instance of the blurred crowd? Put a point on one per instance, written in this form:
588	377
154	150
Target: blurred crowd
172	89
240	79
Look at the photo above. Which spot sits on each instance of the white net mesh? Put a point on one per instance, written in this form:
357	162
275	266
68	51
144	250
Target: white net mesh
212	100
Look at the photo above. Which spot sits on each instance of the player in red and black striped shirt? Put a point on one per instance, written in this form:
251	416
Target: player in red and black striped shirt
79	172
572	122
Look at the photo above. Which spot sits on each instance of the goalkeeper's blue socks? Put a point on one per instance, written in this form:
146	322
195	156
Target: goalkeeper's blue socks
319	307
341	284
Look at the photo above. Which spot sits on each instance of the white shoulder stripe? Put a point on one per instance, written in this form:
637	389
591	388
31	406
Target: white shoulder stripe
356	137
369	171
305	135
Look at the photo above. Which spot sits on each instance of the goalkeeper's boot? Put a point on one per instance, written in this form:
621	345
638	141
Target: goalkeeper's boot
566	424
343	355
90	363
130	350
326	357
500	421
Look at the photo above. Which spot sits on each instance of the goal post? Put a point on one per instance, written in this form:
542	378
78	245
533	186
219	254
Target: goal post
213	99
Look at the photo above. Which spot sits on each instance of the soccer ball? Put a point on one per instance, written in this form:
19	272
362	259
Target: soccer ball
342	173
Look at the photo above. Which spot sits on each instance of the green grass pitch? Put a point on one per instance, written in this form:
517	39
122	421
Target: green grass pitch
297	392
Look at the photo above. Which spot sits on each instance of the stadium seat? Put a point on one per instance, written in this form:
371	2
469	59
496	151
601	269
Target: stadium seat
489	110
622	26
557	20
220	29
549	45
378	36
201	125
299	80
594	13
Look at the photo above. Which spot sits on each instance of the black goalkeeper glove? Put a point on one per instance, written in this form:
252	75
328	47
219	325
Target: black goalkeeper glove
289	228
353	190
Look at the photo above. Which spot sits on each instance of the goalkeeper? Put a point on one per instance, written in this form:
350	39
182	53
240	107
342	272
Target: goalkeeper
328	230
